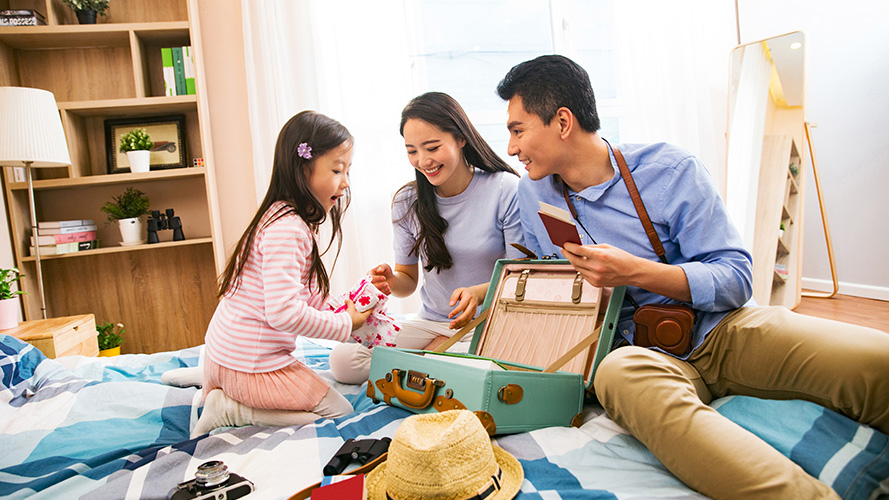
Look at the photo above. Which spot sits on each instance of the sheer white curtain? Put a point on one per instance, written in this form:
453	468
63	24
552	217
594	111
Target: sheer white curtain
348	60
745	139
673	65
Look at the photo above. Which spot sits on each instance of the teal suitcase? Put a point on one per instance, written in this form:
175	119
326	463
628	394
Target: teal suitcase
535	352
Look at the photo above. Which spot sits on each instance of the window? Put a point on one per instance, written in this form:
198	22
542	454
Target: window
464	48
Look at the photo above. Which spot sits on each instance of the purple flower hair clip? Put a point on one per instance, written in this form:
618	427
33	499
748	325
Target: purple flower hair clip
304	151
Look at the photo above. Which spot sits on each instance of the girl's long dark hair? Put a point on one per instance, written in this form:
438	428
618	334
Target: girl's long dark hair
442	111
289	183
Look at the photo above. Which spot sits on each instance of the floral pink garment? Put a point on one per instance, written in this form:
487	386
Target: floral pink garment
380	328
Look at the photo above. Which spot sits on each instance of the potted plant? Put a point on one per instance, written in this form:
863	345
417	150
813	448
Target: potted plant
86	10
137	145
9	317
109	338
128	209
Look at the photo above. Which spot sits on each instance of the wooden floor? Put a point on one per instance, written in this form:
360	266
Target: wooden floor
855	310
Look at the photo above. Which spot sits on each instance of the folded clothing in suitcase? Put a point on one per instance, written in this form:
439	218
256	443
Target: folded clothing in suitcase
532	359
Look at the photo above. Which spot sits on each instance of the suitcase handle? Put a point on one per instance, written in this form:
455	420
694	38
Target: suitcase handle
411	399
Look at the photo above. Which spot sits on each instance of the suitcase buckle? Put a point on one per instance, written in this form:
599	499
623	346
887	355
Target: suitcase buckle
577	289
520	285
510	394
417	380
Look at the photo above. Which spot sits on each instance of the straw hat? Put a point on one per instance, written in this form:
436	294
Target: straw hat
446	456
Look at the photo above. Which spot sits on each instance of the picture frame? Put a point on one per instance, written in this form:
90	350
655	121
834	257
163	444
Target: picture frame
167	132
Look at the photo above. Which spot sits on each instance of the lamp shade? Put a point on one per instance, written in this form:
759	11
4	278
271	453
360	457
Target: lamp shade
31	129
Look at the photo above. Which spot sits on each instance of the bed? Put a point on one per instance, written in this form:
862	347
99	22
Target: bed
107	428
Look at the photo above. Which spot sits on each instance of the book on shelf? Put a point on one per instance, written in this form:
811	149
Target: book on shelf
64	223
63	248
21	17
169	72
65	230
341	488
188	67
558	224
179	71
55	239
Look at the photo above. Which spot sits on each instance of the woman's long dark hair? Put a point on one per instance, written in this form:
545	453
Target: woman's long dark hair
445	113
289	183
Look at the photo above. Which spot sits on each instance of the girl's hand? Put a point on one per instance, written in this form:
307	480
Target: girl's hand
467	301
381	277
358	318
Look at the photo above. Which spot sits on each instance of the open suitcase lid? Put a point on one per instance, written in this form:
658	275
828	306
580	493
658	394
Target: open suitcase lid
542	309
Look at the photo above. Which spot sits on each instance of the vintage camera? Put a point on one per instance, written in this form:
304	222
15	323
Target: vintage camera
167	220
363	450
212	480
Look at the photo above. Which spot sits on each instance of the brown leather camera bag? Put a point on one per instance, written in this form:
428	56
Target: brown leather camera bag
667	326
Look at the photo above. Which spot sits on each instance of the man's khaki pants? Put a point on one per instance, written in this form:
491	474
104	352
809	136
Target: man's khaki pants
766	352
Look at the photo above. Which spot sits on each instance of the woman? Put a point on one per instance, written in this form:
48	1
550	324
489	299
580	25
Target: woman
458	218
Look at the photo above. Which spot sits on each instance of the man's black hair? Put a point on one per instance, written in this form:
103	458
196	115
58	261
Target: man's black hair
548	83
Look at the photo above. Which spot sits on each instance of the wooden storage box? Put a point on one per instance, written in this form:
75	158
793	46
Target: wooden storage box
57	337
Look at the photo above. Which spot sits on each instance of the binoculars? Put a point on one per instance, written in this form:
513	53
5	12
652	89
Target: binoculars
167	220
362	450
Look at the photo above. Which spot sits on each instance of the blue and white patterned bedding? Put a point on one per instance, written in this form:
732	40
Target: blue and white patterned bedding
106	428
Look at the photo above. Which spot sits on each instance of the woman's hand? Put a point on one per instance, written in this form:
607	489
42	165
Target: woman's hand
466	301
400	282
358	318
382	278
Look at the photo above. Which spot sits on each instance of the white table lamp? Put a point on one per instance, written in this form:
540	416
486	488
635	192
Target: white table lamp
31	136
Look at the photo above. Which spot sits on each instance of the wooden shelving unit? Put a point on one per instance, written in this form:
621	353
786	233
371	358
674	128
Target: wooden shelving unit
164	293
777	253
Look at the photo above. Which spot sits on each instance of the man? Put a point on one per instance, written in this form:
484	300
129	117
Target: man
767	352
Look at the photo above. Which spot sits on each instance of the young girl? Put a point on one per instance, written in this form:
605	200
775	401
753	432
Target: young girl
458	217
274	286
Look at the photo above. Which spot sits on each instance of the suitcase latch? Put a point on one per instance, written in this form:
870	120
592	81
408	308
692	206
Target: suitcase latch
577	289
520	284
510	394
418	381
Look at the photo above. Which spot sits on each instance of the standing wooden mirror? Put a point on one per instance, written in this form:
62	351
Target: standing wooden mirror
764	182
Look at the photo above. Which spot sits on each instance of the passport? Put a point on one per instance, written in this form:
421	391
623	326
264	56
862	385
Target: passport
558	224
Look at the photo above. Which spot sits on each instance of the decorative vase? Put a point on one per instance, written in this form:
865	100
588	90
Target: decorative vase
114	351
9	313
131	231
140	161
86	16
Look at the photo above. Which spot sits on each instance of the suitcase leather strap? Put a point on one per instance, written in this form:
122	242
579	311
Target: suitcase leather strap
462	332
581	346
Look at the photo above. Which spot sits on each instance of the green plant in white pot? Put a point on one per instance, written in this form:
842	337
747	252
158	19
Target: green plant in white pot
9	304
137	145
87	10
127	210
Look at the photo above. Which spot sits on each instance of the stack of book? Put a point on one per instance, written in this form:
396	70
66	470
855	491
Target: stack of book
178	64
65	236
21	17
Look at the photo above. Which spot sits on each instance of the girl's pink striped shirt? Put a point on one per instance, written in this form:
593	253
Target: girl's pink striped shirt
254	329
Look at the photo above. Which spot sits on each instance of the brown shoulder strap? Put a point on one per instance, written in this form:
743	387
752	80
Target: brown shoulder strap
640	207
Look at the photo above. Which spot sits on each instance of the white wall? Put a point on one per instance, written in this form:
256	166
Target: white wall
848	78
